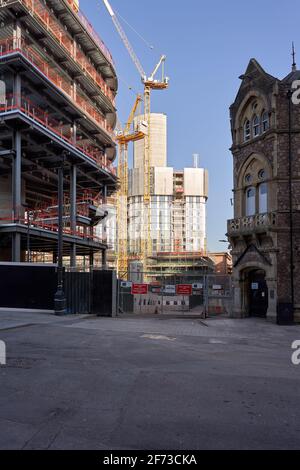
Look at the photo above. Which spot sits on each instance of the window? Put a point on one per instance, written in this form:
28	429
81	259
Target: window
256	126
262	174
247	130
263	198
250	202
248	178
265	121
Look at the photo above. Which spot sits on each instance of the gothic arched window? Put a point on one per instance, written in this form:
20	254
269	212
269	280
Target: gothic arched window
255	188
250	202
265	124
263	198
256	126
247	130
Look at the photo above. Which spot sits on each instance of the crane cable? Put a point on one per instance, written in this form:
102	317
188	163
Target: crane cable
131	27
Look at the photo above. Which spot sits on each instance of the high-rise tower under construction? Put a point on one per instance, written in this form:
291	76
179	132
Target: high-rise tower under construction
57	111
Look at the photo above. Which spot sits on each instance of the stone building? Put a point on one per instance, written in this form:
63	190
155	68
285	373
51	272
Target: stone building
265	231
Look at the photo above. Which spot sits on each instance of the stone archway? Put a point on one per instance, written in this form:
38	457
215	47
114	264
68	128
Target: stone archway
255	292
252	273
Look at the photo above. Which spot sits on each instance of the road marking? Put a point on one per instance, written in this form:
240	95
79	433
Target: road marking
159	337
217	341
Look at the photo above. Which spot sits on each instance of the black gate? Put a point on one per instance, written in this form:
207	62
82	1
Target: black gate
258	294
78	291
104	293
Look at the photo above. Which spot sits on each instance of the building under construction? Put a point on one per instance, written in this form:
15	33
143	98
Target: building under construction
175	218
57	113
177	210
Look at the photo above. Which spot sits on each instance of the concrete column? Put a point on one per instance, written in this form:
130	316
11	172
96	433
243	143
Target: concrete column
104	259
104	234
17	89
16	248
17	195
104	194
73	210
17	35
16	176
74	49
74	136
91	259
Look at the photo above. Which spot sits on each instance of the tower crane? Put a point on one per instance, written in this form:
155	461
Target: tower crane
123	138
150	83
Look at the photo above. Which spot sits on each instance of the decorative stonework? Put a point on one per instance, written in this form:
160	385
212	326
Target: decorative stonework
261	239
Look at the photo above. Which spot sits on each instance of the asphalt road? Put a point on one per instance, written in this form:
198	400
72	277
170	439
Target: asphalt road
147	383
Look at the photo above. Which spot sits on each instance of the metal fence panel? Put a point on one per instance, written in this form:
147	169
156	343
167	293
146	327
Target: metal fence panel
78	292
205	294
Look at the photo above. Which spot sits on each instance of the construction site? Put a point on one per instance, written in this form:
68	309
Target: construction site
57	114
160	224
68	197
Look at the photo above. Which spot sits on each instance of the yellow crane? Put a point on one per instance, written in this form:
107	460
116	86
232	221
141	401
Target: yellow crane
123	138
150	83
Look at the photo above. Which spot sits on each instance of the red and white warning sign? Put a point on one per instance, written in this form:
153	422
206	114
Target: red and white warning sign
139	289
184	289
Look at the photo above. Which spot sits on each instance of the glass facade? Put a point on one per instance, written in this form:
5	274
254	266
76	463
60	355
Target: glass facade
175	225
195	223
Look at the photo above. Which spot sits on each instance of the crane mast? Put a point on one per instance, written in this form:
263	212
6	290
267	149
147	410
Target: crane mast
150	83
123	138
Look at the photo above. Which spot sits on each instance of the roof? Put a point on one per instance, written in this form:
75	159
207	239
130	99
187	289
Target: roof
291	77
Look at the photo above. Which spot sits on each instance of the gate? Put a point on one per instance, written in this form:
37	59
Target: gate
91	292
78	293
185	294
104	293
218	297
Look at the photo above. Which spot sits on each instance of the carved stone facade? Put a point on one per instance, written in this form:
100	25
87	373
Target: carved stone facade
260	231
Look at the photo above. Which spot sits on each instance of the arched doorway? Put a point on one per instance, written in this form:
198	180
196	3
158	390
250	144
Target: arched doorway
257	293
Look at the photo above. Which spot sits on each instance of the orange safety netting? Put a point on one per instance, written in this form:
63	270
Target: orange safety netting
10	45
64	131
39	10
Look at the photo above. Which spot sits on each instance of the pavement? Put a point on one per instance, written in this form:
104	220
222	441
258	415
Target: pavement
81	382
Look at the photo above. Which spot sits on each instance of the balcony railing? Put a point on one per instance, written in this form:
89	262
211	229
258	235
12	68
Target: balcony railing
253	223
89	28
39	10
64	131
8	46
34	221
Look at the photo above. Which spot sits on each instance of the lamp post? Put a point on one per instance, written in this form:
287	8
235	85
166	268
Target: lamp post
28	221
59	298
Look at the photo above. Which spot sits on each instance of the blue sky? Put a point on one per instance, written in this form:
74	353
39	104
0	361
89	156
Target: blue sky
208	46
